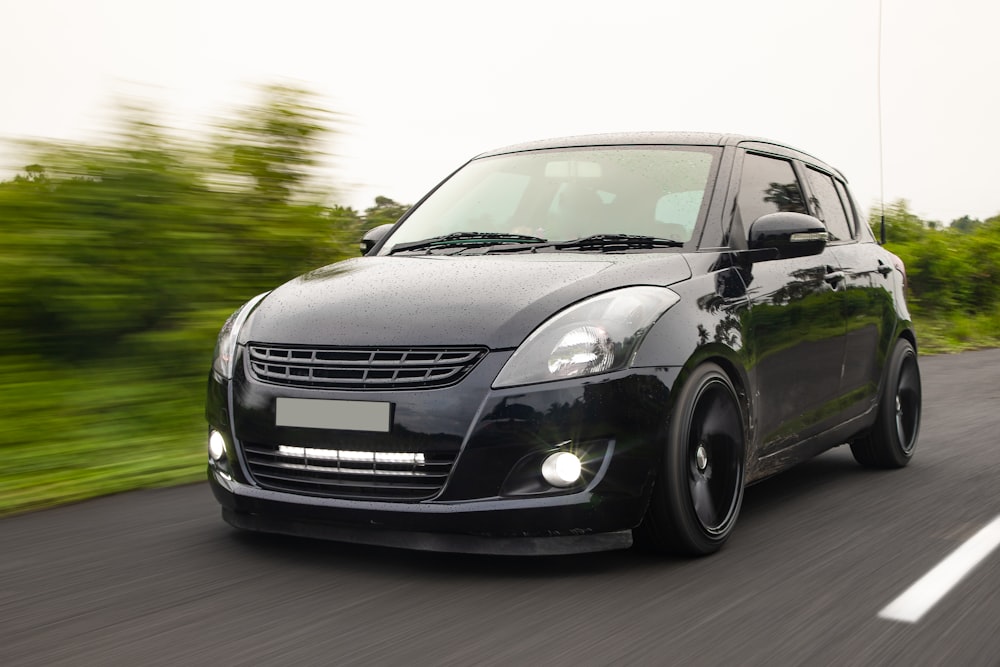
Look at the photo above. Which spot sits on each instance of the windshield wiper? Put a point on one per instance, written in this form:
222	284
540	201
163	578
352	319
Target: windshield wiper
602	242
616	241
469	239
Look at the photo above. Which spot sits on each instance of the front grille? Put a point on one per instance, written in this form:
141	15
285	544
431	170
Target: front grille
362	368
351	474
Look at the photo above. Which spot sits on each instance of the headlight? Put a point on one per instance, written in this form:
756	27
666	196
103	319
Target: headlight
598	335
225	346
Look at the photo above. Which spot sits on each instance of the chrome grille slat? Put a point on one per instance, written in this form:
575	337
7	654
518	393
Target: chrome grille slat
320	469
348	473
361	368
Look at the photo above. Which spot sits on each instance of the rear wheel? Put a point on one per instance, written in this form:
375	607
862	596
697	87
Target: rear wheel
699	487
891	440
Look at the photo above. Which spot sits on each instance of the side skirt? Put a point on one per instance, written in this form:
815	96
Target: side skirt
787	457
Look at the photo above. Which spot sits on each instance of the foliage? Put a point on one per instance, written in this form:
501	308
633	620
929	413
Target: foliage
385	211
953	274
119	262
274	145
955	269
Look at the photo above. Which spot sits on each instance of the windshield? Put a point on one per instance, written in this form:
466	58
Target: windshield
566	194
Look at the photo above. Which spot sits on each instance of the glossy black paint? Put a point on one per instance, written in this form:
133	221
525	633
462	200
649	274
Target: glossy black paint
803	339
494	300
790	234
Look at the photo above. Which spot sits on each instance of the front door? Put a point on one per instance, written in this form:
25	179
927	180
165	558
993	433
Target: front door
795	327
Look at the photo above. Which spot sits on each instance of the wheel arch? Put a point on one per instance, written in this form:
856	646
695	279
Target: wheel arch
732	365
908	333
904	332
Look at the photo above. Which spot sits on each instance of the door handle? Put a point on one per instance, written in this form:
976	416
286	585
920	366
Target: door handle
884	268
834	278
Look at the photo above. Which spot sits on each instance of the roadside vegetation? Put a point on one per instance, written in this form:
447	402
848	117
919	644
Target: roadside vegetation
119	262
954	277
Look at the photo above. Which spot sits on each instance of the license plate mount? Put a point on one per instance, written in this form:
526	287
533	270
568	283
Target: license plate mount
370	416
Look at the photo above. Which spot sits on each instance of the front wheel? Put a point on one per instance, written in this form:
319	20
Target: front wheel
699	488
891	440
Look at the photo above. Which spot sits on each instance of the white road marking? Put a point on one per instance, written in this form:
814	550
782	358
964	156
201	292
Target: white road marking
918	599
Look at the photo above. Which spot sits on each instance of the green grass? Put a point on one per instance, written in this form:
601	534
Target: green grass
75	433
940	333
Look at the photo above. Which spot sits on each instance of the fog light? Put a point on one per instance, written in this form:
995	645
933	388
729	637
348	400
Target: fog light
216	445
561	469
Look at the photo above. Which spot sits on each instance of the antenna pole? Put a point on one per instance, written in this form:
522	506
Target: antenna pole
881	166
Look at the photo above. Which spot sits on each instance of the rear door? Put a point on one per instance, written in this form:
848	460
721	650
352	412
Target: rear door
867	287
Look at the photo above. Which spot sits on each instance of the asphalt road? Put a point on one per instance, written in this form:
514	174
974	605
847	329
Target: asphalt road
155	577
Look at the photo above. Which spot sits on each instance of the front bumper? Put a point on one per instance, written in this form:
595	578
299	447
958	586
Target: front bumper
482	527
492	501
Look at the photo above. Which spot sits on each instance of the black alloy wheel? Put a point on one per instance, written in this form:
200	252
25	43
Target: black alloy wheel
699	490
891	440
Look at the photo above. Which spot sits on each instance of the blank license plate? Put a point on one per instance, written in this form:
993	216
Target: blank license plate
343	415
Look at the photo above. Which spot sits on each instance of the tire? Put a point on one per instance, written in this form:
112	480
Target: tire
697	495
891	440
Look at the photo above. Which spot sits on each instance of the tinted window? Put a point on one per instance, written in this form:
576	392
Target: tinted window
852	221
827	204
768	185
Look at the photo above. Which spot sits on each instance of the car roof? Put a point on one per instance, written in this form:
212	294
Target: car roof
655	139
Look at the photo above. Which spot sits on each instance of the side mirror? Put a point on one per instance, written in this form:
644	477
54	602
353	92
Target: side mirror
791	234
373	236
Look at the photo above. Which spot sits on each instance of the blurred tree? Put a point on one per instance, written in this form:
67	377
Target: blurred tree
104	242
981	247
120	260
965	224
901	224
274	145
383	212
88	237
346	225
951	270
33	173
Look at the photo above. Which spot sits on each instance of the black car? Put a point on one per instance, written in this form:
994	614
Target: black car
566	344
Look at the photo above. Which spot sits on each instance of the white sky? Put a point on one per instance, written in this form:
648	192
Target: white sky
427	84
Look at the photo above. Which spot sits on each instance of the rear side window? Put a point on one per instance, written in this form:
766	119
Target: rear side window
827	204
768	185
852	219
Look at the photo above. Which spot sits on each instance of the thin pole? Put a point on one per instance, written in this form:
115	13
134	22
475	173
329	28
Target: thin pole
881	166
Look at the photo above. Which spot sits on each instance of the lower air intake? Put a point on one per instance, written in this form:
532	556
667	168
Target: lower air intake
349	474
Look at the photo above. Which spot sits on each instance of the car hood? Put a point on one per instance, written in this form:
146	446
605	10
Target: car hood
492	300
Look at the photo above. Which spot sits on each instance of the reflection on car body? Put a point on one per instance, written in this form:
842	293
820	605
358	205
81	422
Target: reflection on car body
566	345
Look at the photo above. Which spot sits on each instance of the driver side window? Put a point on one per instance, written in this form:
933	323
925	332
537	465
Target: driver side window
768	185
